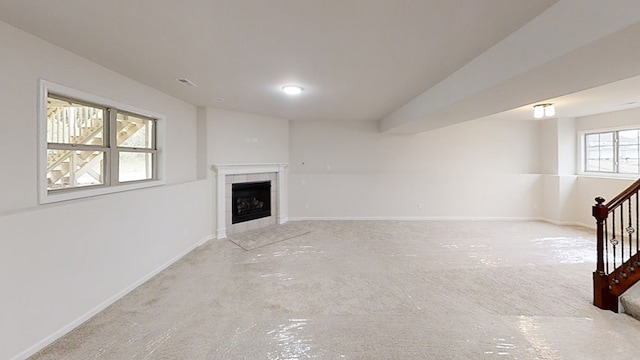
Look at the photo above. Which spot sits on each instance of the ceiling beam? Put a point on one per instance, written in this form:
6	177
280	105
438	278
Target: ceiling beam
573	46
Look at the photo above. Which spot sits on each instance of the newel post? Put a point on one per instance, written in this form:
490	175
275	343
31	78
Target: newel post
602	298
600	212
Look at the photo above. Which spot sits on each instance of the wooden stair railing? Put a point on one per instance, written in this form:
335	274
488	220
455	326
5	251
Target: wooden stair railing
618	244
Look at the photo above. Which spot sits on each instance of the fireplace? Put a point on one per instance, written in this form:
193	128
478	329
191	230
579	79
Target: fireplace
250	201
230	174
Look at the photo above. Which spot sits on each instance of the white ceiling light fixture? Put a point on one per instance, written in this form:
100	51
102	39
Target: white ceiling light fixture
292	89
543	110
549	110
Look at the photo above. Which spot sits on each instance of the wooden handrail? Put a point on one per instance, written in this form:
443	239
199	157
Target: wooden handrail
631	190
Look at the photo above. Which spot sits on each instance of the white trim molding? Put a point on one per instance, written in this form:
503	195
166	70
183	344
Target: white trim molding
237	169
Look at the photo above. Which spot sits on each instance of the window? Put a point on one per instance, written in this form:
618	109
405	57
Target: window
94	146
612	152
135	146
77	150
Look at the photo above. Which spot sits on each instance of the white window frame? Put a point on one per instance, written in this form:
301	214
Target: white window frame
46	196
582	152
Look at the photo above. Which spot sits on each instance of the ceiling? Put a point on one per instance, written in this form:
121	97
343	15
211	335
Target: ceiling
413	65
615	96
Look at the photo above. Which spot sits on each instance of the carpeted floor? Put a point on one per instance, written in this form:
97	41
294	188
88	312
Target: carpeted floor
370	290
255	239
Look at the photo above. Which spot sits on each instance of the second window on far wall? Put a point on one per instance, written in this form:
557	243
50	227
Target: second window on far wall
612	152
90	145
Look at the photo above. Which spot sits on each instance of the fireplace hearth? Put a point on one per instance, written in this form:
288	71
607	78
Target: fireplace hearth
250	201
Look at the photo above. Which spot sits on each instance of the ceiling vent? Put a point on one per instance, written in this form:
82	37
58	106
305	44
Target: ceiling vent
186	82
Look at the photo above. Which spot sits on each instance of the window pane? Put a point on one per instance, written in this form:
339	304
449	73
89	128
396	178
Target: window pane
606	165
593	140
606	153
73	123
628	167
628	154
135	166
68	169
627	151
134	131
593	153
593	165
628	137
599	152
606	139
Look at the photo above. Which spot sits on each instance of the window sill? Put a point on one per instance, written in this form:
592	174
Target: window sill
610	176
52	197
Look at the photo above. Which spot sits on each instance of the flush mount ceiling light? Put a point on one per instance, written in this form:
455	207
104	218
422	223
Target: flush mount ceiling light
543	110
292	89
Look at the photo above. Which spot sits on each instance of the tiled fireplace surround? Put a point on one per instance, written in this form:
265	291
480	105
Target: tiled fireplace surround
226	175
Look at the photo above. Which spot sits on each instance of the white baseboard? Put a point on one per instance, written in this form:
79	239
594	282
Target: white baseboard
414	218
569	223
589	226
77	322
441	218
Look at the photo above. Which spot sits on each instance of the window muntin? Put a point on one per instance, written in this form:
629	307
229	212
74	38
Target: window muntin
612	152
92	145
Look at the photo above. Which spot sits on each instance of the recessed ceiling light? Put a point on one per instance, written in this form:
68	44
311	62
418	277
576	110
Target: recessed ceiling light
292	89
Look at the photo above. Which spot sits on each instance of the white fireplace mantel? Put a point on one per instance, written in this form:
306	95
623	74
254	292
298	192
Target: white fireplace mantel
236	169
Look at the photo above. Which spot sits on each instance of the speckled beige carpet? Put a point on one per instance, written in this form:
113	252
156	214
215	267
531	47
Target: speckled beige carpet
369	290
255	239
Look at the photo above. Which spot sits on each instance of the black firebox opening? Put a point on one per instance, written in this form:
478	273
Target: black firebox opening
250	201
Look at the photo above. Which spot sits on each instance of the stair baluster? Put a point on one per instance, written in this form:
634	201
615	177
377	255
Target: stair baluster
616	271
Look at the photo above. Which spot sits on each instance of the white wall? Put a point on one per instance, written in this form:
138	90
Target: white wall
558	159
479	169
62	262
630	117
567	146
243	138
589	187
549	146
60	265
201	143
